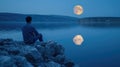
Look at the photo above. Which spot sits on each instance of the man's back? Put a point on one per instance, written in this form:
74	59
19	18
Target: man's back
28	33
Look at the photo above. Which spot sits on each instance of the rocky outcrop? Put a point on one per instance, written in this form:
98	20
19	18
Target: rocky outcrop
45	54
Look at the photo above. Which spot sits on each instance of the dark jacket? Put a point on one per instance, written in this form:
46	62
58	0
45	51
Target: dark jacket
29	33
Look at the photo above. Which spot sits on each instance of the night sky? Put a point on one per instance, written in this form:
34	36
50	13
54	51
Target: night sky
92	8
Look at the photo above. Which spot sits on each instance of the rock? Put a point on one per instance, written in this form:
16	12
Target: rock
4	53
59	59
20	61
33	56
6	61
52	49
52	64
44	54
69	64
41	49
14	61
13	50
59	50
1	43
5	41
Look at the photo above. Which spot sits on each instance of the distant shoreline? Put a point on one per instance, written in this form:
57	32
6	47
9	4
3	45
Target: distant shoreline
53	18
87	21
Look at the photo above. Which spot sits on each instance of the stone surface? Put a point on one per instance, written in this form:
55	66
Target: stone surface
6	61
20	61
52	64
44	54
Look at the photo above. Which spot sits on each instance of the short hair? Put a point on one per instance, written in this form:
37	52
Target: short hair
28	19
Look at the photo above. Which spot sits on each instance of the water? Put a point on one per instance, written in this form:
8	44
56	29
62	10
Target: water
101	46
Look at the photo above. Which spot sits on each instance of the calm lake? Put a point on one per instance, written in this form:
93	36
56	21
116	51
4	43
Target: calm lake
101	46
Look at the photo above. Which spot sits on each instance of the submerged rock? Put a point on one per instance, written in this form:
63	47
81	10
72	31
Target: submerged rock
45	54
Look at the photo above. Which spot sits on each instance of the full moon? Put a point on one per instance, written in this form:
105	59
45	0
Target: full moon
78	39
78	10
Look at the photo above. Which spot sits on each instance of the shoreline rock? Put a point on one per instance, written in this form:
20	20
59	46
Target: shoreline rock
45	54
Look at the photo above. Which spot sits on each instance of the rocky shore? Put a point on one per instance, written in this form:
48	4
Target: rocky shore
45	54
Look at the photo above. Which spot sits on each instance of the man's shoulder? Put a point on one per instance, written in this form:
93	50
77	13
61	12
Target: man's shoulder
28	26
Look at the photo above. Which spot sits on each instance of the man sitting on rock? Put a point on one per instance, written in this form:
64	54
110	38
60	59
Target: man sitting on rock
30	35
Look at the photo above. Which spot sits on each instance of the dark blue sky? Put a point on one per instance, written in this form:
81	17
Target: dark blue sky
91	8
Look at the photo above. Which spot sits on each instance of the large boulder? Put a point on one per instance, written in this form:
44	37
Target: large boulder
52	64
3	53
69	64
20	61
44	54
60	59
5	42
52	49
6	61
33	55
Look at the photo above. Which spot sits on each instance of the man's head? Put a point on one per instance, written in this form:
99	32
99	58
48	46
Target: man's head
28	19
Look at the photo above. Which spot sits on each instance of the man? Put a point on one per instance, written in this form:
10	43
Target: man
30	35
